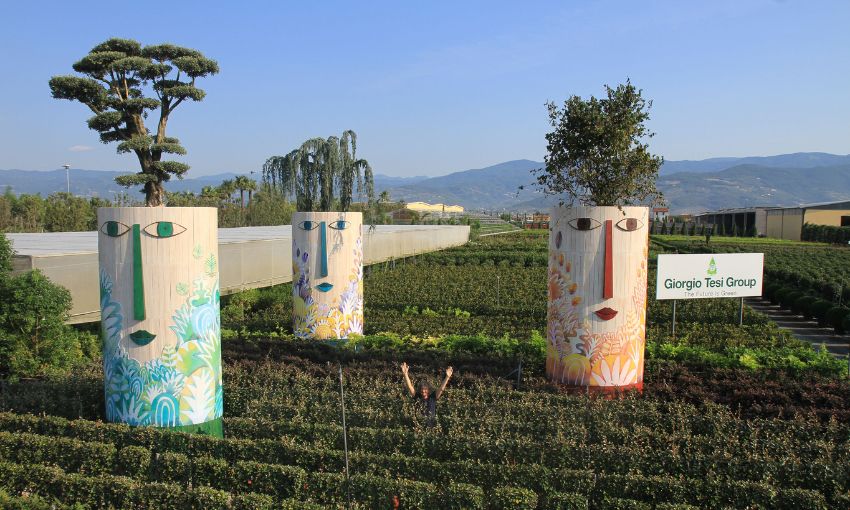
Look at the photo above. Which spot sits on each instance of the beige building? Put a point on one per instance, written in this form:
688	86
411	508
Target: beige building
434	208
787	222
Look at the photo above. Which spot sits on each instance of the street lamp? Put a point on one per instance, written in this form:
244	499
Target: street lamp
66	166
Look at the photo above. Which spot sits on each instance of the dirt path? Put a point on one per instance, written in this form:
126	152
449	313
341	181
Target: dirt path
803	328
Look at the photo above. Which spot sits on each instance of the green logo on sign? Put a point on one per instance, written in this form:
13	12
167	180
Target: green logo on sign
712	268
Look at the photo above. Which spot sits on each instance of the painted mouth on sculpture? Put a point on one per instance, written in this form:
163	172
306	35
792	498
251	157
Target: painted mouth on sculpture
606	314
324	287
142	337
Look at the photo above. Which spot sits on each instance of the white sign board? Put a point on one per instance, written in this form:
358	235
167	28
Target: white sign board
709	275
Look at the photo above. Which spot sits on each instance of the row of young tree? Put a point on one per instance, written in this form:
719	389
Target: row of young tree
238	201
694	229
240	204
826	234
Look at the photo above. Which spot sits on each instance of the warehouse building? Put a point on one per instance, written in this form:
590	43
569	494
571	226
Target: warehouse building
743	220
787	222
777	222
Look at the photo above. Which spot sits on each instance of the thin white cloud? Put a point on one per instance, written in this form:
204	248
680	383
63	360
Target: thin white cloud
80	148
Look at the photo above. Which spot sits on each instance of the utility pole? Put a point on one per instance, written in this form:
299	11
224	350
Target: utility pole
66	166
344	437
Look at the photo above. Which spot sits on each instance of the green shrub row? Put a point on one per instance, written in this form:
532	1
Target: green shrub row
827	313
826	234
228	471
110	491
30	502
244	479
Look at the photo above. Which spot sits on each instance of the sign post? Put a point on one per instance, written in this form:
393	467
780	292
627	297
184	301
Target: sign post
709	275
674	318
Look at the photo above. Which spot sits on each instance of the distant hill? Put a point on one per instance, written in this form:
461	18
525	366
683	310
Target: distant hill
98	183
750	185
91	183
788	179
796	160
495	186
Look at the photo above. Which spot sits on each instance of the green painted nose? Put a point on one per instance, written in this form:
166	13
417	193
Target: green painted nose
138	277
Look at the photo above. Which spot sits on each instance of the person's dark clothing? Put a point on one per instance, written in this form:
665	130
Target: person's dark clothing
427	407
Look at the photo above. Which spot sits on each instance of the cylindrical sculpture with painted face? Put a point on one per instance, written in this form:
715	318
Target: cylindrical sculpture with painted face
159	296
596	318
327	274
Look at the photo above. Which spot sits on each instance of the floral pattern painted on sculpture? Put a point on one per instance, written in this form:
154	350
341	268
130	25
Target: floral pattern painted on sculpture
183	386
341	317
586	357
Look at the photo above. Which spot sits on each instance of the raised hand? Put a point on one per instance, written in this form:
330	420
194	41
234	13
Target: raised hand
404	368
449	372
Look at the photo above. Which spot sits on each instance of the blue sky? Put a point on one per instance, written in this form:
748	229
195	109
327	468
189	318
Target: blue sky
436	87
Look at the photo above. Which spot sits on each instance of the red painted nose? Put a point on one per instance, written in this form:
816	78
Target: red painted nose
608	284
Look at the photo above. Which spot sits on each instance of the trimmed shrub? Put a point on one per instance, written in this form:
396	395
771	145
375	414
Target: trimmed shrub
788	299
803	306
505	498
835	318
133	461
819	310
566	501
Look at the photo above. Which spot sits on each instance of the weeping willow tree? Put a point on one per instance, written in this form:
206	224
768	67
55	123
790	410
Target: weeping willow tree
322	173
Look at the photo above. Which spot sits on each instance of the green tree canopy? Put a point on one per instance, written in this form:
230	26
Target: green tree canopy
6	254
322	173
597	152
117	75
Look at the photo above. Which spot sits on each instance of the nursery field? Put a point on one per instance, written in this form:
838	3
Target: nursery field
731	417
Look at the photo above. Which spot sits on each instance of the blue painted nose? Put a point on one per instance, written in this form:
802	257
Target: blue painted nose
323	241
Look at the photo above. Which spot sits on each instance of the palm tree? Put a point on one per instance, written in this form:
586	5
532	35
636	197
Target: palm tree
250	187
313	171
244	183
226	190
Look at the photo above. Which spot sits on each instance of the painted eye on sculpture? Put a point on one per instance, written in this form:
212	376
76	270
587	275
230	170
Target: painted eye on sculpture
308	225
164	229
629	224
584	223
339	225
114	228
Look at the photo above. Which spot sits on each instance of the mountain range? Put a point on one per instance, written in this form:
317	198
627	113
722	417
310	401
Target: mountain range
688	186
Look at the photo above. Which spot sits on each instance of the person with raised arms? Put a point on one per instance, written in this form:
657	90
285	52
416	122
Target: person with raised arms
424	397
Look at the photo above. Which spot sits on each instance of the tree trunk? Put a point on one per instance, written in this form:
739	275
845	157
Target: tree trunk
250	196
242	197
154	194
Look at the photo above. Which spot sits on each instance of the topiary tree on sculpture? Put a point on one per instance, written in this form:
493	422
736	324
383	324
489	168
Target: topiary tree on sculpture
321	174
598	152
122	84
145	253
327	240
600	166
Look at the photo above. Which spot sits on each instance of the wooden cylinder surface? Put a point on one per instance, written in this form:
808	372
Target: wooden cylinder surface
596	317
159	291
327	274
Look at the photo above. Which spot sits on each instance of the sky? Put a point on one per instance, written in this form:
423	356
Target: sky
436	87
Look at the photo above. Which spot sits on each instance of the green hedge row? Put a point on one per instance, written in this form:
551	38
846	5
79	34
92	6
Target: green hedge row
110	491
827	313
826	234
29	502
389	476
318	447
